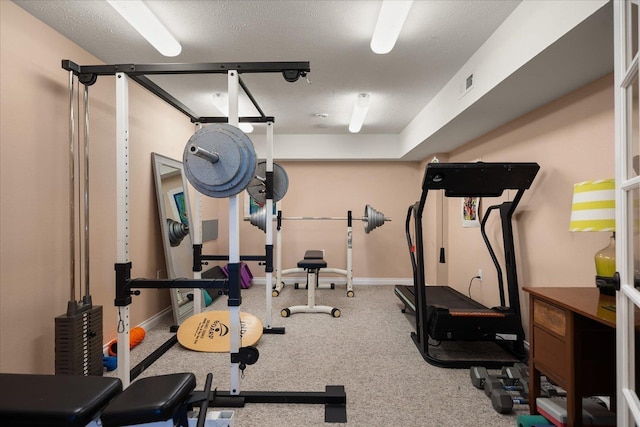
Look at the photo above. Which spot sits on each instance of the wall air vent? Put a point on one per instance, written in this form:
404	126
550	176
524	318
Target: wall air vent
466	85
468	82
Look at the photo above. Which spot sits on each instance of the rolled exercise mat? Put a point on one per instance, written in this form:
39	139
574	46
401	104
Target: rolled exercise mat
209	331
532	421
136	335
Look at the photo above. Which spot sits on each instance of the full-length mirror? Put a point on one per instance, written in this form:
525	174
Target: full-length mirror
174	215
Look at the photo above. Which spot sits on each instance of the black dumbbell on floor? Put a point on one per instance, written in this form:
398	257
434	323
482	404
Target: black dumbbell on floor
503	402
517	371
511	375
493	383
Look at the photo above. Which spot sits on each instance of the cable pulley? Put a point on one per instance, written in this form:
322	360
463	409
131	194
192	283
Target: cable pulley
257	188
372	218
219	160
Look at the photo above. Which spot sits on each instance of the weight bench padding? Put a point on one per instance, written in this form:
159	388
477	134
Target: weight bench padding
54	400
149	400
313	254
312	264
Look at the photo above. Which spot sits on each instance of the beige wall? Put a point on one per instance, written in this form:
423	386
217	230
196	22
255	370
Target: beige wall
34	211
571	138
330	189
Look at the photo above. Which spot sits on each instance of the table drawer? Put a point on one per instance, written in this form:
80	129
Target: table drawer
550	355
549	317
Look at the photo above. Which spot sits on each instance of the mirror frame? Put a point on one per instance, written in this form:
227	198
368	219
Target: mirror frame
182	306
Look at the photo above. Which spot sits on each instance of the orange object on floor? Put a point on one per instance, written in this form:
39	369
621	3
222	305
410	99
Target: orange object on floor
136	335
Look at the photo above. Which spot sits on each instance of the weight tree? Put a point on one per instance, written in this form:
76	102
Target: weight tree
334	397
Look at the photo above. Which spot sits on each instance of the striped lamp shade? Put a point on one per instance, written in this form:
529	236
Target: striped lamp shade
594	206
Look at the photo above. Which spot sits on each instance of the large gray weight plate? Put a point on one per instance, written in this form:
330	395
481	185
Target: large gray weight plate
235	165
257	188
372	219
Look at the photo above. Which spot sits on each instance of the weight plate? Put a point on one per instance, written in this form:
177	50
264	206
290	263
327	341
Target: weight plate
257	188
374	219
235	164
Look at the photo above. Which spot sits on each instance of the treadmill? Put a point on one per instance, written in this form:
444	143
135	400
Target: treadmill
451	329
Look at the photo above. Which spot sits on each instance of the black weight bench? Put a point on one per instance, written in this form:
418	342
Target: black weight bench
312	263
69	400
313	254
151	399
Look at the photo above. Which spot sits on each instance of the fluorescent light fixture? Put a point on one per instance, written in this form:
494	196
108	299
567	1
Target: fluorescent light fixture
393	13
360	110
136	13
221	101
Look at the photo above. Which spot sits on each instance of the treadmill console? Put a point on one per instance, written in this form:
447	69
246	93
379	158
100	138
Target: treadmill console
478	179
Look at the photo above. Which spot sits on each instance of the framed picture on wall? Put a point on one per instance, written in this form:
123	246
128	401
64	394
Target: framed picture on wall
471	212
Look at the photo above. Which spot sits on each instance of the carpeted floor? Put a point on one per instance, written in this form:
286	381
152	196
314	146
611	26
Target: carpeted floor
368	350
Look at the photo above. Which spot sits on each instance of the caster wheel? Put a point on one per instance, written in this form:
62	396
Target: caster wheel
275	293
350	294
296	286
335	312
285	312
333	286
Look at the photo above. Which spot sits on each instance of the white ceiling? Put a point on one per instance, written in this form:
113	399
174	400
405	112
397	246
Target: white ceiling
438	38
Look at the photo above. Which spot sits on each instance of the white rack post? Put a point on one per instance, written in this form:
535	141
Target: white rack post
269	226
122	215
196	226
234	241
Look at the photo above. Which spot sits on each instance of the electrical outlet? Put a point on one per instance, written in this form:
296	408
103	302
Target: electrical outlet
480	276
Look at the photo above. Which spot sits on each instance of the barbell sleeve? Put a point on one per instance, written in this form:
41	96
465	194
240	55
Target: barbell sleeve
203	153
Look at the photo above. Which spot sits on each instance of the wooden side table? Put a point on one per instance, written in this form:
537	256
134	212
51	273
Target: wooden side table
573	343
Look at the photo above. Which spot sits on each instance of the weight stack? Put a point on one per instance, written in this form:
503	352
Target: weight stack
79	343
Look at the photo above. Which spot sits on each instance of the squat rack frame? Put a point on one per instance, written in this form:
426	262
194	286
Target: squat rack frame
334	398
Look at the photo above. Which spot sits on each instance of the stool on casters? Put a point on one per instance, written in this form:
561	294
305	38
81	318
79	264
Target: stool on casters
312	266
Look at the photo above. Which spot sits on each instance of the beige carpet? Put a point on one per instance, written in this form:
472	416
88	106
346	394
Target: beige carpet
368	350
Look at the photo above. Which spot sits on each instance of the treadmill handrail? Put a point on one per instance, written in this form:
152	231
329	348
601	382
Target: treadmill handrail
492	253
407	228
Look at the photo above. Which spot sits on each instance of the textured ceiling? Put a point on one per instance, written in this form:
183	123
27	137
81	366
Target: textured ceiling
437	39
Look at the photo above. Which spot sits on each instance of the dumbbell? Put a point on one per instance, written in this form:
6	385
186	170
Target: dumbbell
548	389
493	383
511	375
503	402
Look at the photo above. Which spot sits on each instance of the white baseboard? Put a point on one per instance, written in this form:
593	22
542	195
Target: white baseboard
147	324
360	281
156	319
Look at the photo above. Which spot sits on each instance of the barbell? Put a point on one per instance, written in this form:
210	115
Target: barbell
372	218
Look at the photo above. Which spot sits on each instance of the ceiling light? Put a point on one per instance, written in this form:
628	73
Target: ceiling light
221	101
136	13
390	21
359	112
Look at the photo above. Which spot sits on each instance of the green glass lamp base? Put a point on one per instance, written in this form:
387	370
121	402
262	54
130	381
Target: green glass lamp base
606	268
